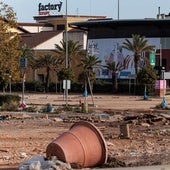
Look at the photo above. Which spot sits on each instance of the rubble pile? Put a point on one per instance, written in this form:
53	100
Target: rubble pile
148	142
39	163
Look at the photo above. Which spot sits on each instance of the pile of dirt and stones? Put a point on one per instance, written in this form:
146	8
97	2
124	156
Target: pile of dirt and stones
133	137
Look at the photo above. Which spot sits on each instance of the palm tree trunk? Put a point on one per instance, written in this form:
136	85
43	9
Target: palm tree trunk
114	81
47	79
136	59
85	98
91	91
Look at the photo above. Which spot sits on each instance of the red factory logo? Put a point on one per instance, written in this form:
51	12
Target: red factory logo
45	9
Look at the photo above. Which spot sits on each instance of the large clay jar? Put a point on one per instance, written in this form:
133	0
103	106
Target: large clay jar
82	145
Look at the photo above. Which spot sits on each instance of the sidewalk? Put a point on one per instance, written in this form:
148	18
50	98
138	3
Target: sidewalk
117	102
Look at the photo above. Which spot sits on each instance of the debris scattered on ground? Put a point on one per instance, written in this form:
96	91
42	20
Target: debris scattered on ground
24	135
40	163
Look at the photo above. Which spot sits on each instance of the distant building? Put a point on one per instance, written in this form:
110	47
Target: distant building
105	38
101	36
48	31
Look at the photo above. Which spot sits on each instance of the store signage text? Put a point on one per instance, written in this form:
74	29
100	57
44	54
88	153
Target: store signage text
45	9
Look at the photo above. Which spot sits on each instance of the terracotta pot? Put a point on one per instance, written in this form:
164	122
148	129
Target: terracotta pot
82	145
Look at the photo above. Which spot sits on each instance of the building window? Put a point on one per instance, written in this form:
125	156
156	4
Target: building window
60	27
40	78
164	62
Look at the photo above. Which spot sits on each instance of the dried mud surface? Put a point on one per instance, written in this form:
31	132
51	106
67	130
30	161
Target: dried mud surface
24	135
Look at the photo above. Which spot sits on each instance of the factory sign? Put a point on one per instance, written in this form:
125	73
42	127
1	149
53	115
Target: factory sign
44	9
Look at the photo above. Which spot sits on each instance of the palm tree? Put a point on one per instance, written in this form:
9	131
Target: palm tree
49	62
65	74
74	49
29	55
138	45
26	52
46	62
88	64
116	68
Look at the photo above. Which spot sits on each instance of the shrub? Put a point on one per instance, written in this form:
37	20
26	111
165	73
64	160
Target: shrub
9	99
9	102
12	106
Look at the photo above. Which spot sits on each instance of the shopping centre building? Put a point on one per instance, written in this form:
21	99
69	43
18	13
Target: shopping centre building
47	31
107	37
101	36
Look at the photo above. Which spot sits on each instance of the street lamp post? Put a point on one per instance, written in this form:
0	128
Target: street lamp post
162	69
66	40
23	89
163	104
118	10
10	83
56	84
23	63
160	56
145	96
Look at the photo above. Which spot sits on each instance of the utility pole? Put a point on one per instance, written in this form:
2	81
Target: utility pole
66	39
118	9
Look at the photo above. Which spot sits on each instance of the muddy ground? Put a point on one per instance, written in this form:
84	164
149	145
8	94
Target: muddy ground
24	134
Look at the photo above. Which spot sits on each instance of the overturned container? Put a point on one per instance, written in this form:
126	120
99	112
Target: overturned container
83	146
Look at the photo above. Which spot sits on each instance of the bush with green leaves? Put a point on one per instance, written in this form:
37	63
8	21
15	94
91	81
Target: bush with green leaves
9	98
147	77
9	102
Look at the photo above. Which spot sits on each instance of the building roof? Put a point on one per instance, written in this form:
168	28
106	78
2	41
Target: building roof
34	24
22	30
16	29
48	17
114	23
34	39
109	28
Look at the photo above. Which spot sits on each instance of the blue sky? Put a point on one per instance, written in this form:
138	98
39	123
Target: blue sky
128	9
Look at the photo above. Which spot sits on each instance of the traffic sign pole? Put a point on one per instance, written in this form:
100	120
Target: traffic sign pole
23	63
